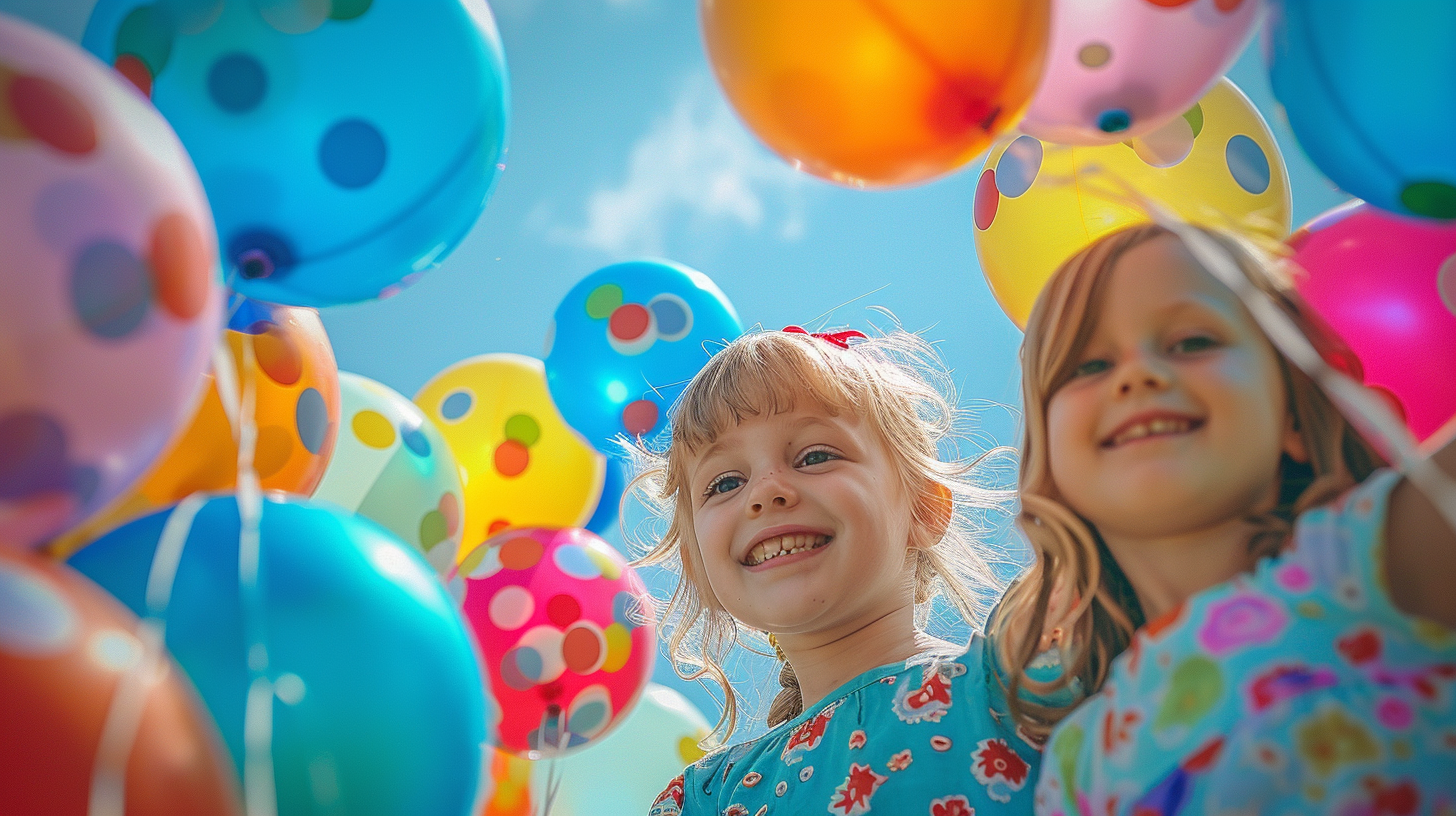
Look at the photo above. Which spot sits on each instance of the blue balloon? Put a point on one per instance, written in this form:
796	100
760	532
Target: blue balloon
345	145
604	518
381	707
1368	89
626	340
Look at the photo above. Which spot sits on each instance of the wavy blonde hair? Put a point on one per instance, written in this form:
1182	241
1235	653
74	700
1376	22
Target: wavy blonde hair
1073	566
896	384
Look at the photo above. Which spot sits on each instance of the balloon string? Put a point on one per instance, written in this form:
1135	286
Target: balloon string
1371	416
554	773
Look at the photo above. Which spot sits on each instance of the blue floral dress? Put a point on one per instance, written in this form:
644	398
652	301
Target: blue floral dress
926	736
1300	688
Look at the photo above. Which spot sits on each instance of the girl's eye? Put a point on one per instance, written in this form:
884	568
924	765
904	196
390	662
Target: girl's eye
1091	367
726	483
1188	345
817	456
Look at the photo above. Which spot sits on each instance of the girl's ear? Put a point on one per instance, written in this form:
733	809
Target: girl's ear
1293	442
940	509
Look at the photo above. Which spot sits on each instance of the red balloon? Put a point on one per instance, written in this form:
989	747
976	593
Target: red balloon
69	679
1387	284
565	630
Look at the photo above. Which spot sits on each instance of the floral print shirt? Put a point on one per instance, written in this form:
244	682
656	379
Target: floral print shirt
1299	688
924	736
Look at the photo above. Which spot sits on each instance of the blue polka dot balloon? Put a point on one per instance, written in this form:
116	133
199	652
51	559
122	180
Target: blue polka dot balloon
346	145
626	340
1368	89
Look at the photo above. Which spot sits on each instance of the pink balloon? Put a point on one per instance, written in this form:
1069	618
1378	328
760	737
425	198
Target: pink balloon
110	296
566	633
1387	285
1117	69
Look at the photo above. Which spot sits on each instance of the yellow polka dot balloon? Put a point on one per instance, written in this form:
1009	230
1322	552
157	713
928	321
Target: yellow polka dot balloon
392	466
1038	203
521	464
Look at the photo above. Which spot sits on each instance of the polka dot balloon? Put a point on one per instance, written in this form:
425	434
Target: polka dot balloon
877	92
1387	285
71	662
1367	90
295	411
392	466
521	466
565	630
1037	204
111	288
626	339
1117	69
346	145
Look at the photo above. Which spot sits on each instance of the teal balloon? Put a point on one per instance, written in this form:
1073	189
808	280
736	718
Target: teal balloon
626	340
345	145
1368	90
604	519
380	705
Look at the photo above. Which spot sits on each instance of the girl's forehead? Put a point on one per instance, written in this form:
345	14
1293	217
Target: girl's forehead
1159	278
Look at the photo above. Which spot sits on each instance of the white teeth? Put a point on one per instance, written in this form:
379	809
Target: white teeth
1157	427
772	548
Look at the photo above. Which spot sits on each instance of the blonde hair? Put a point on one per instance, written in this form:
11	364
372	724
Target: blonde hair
897	386
1073	565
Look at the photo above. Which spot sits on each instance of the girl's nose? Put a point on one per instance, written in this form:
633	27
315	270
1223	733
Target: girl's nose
771	491
1139	372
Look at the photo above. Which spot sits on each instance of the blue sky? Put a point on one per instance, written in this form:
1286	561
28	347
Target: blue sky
622	146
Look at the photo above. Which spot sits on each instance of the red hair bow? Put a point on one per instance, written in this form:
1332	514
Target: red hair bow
840	339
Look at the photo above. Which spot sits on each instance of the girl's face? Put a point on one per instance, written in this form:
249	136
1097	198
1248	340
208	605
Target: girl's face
801	524
1176	416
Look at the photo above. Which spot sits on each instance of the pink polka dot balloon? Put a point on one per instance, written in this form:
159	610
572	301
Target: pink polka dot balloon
1117	69
1387	285
111	302
566	632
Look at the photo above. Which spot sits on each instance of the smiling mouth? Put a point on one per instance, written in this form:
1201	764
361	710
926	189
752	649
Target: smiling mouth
779	546
1162	426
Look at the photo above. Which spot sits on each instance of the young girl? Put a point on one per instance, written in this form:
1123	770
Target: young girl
1292	601
808	501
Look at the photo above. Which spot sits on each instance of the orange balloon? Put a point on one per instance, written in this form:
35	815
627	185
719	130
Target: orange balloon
296	412
877	92
66	648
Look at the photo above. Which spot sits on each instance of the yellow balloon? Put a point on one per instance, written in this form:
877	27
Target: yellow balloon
523	466
1038	203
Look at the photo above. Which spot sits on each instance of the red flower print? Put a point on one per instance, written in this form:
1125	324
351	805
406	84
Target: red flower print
735	809
940	743
952	806
807	736
900	761
752	778
856	739
996	765
1360	646
926	703
670	801
855	791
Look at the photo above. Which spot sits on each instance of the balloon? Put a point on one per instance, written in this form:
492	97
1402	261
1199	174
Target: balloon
626	339
521	465
380	707
1367	90
623	773
555	612
512	795
604	518
111	299
1037	204
70	661
1388	286
346	146
877	92
393	467
295	410
1117	69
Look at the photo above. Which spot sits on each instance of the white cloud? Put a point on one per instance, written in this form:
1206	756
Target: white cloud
696	167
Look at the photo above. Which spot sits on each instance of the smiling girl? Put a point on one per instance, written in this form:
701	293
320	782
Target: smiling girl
1282	606
808	500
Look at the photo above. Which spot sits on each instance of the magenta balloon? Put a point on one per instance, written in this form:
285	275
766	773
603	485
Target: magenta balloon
1387	284
110	292
1117	69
